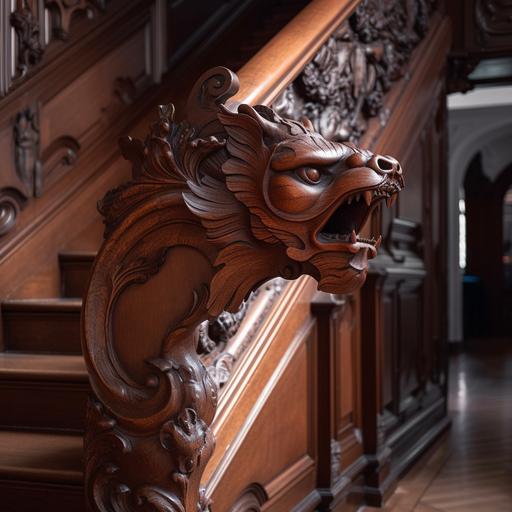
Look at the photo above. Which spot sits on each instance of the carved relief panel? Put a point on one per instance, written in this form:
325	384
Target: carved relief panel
345	84
339	396
73	99
494	23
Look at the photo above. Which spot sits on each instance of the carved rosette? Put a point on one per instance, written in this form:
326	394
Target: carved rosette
11	202
345	84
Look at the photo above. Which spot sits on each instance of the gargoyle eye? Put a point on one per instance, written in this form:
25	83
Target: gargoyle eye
309	175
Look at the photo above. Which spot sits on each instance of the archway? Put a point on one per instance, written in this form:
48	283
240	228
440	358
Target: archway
485	294
485	131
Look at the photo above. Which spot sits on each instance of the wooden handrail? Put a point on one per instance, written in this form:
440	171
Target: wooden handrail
266	75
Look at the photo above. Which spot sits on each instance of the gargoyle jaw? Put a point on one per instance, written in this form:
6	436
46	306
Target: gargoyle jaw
341	231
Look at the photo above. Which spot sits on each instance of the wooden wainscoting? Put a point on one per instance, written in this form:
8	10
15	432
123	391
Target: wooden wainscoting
403	322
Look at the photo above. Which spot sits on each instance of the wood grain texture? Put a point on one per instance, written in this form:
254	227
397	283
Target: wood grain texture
468	469
209	194
256	381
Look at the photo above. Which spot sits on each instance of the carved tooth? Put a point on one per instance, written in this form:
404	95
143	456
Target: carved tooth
349	200
353	237
368	197
378	242
390	200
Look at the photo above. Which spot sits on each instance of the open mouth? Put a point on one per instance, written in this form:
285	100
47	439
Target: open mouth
347	220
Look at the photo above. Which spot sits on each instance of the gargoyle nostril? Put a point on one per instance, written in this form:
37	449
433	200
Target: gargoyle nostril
384	164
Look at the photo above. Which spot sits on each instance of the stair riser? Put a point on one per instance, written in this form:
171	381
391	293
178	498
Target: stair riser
29	497
43	405
57	332
75	277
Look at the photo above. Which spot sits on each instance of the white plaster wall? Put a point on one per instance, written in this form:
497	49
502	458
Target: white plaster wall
473	127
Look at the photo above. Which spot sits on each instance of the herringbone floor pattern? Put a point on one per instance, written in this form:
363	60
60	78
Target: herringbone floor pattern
470	470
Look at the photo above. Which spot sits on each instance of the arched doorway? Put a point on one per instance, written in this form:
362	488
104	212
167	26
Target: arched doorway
473	131
487	291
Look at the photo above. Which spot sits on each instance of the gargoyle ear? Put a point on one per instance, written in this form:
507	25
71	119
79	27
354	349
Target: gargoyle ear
273	131
307	123
249	154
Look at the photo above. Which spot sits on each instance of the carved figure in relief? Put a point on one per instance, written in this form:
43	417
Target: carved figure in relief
237	195
345	84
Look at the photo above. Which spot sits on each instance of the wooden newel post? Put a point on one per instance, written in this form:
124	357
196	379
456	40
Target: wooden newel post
219	203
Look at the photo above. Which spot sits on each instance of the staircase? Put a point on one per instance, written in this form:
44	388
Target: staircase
43	379
44	386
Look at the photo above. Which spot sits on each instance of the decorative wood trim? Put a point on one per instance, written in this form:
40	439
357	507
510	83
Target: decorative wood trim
251	500
264	76
345	83
62	12
11	202
225	338
26	150
26	26
208	191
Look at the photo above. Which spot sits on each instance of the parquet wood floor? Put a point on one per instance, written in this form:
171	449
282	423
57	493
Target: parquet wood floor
470	468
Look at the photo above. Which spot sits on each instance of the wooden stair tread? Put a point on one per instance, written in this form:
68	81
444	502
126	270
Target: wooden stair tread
78	255
47	305
20	366
41	457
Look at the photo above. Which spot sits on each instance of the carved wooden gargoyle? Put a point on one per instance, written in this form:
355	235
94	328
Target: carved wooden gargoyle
218	204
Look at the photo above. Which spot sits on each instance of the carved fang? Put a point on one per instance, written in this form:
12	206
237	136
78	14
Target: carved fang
390	201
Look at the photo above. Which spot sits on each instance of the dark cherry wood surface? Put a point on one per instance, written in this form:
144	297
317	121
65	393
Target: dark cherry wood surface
280	445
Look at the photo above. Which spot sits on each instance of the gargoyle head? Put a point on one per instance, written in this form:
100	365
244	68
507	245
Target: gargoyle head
307	194
274	197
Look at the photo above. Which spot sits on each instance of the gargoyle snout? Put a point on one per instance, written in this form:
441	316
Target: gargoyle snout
384	164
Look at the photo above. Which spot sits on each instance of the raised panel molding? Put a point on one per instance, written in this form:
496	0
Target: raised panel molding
251	500
49	136
493	20
340	449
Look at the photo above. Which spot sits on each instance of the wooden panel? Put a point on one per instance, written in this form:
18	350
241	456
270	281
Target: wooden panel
405	293
481	26
278	435
62	106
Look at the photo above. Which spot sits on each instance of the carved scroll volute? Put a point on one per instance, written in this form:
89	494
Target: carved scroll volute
218	204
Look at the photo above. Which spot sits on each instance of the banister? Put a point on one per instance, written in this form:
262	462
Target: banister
264	76
218	204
